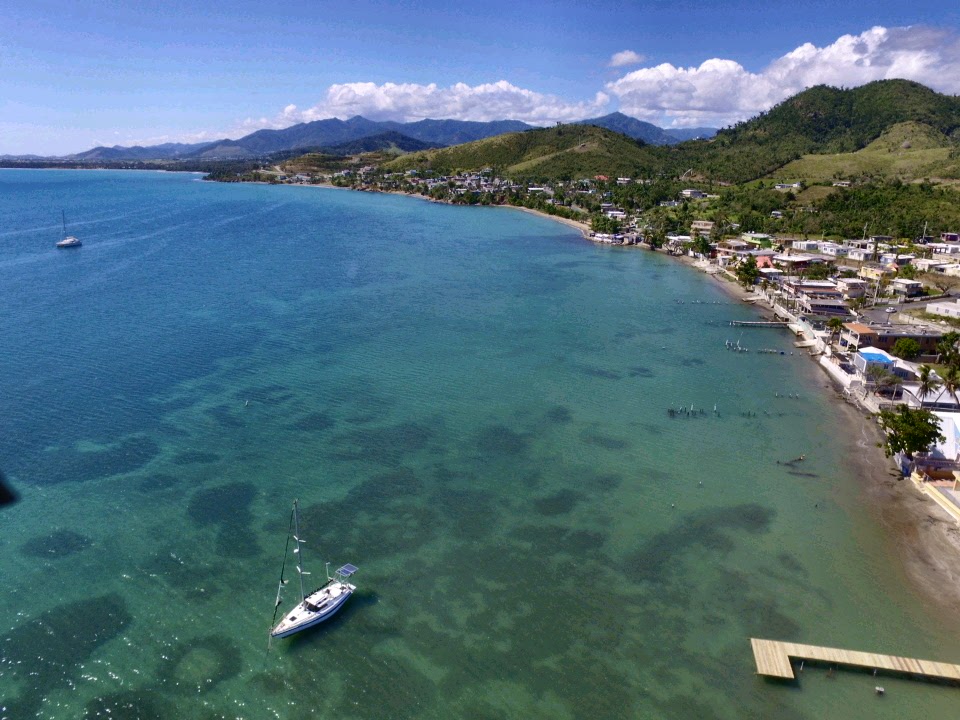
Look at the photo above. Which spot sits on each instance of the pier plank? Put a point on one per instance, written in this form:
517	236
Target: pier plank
773	660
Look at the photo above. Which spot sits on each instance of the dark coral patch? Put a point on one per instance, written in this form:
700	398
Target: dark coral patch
158	481
607	443
82	466
559	415
130	705
499	440
709	529
228	507
560	503
46	652
315	422
198	458
58	544
384	445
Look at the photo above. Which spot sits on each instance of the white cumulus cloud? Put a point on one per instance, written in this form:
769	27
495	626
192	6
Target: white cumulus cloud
721	91
406	102
626	57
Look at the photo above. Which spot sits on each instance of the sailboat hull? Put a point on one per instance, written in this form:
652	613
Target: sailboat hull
318	606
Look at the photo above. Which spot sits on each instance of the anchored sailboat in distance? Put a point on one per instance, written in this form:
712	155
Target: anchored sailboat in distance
319	605
68	241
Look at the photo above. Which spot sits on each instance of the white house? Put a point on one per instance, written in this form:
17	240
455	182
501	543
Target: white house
945	309
832	249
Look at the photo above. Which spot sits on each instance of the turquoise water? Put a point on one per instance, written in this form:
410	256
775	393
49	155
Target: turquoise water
471	405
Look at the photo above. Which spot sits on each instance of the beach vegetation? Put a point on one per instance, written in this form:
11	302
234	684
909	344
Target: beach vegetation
906	348
928	381
748	272
909	430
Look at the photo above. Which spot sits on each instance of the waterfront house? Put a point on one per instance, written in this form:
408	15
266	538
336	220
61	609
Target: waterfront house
793	263
858	335
870	357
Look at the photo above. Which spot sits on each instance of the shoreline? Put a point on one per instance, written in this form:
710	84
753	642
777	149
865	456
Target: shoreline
925	539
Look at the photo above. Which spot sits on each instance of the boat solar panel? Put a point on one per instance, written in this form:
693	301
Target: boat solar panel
348	570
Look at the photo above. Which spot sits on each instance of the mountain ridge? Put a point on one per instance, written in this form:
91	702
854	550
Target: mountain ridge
332	132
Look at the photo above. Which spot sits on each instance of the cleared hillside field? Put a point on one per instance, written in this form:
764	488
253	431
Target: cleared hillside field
906	151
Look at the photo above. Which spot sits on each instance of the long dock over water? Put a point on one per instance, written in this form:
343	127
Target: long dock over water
773	660
759	323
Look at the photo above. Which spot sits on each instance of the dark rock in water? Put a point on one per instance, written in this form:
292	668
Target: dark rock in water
46	652
58	544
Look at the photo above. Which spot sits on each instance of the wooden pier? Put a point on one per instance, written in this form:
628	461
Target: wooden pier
773	660
759	323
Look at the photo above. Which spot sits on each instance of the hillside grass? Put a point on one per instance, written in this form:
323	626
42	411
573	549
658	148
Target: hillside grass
906	151
565	152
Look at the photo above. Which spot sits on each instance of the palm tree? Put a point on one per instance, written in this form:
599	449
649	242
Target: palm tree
951	381
835	325
947	348
879	376
929	382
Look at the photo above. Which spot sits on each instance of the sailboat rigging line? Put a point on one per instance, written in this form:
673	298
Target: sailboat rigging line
283	567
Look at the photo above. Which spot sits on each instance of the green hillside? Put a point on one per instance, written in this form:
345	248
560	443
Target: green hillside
564	152
821	120
906	151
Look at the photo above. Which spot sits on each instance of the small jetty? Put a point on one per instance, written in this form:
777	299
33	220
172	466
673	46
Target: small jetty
759	323
773	660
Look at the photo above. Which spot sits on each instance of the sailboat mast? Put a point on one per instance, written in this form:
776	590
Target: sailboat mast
63	221
296	536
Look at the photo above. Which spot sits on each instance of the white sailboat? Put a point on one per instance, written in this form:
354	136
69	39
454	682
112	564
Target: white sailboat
319	605
68	241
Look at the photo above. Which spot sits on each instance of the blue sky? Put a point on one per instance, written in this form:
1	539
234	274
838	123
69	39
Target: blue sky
77	74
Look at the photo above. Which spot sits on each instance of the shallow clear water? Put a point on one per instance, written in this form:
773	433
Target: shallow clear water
471	405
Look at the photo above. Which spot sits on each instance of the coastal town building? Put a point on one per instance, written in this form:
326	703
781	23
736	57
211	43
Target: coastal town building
906	287
884	337
950	309
851	288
